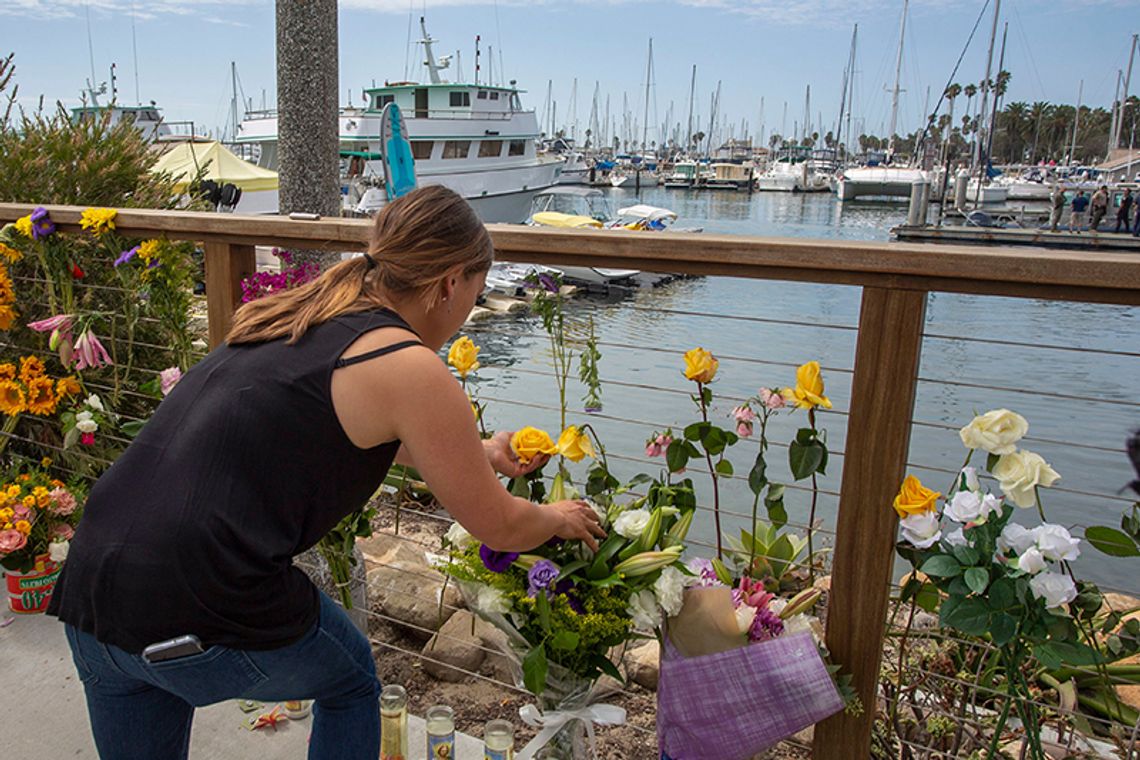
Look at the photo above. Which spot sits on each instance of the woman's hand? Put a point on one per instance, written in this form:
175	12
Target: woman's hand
579	520
504	459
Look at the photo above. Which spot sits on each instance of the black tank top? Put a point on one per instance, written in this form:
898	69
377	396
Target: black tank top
243	466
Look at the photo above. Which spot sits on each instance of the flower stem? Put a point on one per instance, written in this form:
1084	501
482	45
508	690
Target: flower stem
712	473
814	500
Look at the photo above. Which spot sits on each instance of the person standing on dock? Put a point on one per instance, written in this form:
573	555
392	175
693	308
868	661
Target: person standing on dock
1099	207
1058	206
1123	214
1077	212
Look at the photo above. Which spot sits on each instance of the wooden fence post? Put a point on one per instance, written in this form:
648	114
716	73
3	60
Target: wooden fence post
226	265
878	440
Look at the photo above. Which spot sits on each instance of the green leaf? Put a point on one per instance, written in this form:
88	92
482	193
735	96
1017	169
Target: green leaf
774	503
724	467
599	568
971	617
565	640
1066	653
609	580
519	487
570	568
804	459
1003	627
71	438
603	664
676	456
1112	542
1002	595
696	431
941	566
910	588
977	579
542	607
757	477
534	670
132	428
715	440
991	461
722	573
928	597
967	555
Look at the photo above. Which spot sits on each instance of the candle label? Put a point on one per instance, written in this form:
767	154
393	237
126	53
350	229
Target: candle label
441	747
497	754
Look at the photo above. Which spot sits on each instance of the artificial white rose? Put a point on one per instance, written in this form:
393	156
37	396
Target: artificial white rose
803	623
490	601
1056	544
1055	588
94	402
1031	561
921	529
996	431
83	416
1019	474
630	524
745	616
1016	538
458	536
971	476
86	426
643	610
991	505
57	550
956	537
670	590
968	507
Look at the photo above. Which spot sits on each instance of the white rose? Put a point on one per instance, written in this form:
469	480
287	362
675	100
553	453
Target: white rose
458	537
57	550
996	431
1031	561
971	476
921	529
745	616
1055	588
83	416
86	426
956	537
643	610
630	524
1017	538
94	402
803	623
490	601
1056	544
1020	473
670	589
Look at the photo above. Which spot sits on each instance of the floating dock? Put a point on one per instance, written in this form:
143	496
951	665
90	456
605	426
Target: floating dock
959	234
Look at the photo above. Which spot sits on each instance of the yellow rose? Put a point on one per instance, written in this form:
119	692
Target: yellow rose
995	431
700	365
98	220
1020	472
23	526
808	393
914	498
24	225
530	442
463	356
6	514
574	444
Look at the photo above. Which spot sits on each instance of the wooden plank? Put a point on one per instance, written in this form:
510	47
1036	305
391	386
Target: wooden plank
226	266
878	439
953	233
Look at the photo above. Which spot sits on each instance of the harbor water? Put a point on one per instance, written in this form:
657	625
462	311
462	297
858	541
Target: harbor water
1072	369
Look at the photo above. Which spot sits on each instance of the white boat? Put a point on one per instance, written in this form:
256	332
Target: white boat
684	174
793	172
992	192
877	181
729	176
576	170
473	138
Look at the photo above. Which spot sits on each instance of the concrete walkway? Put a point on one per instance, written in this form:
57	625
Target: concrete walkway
47	713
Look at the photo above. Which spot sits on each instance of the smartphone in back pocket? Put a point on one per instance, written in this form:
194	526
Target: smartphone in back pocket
172	649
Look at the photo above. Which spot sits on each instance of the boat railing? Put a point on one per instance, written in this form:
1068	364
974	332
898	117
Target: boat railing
874	385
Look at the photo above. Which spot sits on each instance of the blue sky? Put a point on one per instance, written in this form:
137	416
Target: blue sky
761	48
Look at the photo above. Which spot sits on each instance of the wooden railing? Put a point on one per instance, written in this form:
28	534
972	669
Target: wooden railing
896	279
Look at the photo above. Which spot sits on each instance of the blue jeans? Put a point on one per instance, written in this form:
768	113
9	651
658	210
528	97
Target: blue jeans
143	711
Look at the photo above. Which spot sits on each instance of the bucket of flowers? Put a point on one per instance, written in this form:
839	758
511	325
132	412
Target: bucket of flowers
38	515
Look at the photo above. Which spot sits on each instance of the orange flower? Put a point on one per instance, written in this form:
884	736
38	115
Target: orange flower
7	316
10	253
7	371
12	399
914	498
41	396
67	386
23	526
30	368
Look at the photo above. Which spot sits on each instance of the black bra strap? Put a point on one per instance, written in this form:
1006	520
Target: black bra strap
378	352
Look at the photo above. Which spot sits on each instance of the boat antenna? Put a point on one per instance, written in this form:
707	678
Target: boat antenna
476	59
429	57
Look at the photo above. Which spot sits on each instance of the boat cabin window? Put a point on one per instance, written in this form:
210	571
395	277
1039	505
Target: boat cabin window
456	148
482	95
460	99
490	148
382	100
421	149
494	96
518	148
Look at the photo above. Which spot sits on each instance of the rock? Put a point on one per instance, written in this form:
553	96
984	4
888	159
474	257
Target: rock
405	588
456	645
642	664
496	664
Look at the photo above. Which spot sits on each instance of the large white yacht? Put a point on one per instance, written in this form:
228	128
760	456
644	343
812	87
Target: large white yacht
473	138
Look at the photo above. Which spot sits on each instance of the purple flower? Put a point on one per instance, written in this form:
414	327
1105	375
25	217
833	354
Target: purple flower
766	625
547	282
496	562
126	256
42	225
566	588
592	409
540	576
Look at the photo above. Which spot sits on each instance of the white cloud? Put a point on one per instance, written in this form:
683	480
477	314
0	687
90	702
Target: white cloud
142	9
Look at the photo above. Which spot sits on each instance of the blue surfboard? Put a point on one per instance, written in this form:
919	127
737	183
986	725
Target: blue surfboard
399	164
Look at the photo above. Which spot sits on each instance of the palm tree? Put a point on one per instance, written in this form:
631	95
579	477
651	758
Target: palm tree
1037	112
952	91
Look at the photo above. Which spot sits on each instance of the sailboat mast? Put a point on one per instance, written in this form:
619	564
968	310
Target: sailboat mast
986	86
851	85
645	121
1115	142
843	91
234	101
1076	121
692	94
994	109
898	76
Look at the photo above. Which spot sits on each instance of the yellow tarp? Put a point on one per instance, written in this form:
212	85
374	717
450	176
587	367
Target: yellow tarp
184	160
558	219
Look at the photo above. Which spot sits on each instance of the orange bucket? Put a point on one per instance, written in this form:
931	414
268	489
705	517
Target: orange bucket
30	592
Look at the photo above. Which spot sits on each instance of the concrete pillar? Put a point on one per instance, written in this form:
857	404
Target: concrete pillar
912	218
307	125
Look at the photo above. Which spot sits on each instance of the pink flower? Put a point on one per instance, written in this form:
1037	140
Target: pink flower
60	328
752	593
21	512
169	378
744	429
63	502
772	399
90	352
653	449
744	414
658	444
62	532
87	439
11	541
59	321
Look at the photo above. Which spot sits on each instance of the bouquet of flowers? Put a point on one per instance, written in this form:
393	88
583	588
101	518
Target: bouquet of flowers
38	515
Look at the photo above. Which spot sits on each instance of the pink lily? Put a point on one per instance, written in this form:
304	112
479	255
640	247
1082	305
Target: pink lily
60	328
90	352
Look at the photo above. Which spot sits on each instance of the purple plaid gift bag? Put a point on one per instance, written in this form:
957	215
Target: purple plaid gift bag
733	704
